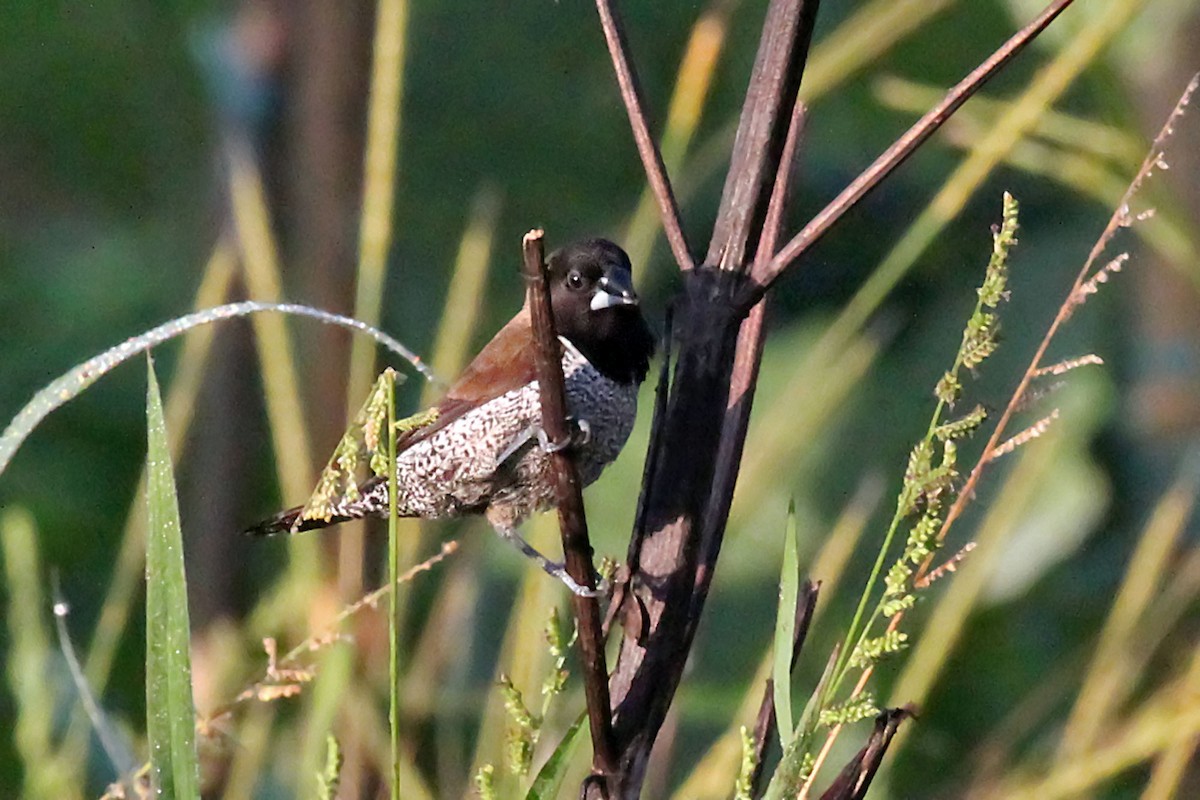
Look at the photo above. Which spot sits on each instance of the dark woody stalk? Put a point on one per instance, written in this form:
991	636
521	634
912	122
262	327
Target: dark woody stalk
577	549
698	441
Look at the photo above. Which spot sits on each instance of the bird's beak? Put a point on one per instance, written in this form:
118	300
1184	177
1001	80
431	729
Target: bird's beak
614	289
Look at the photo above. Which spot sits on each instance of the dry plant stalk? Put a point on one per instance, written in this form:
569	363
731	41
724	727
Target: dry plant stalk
284	677
1085	284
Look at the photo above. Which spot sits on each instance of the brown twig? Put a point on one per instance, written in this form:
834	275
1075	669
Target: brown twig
688	489
855	778
768	114
623	594
288	666
895	155
746	362
652	163
577	550
653	449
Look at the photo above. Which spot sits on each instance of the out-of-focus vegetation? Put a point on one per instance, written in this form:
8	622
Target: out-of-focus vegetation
156	157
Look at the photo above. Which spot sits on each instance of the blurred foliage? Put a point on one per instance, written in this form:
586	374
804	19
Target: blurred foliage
112	118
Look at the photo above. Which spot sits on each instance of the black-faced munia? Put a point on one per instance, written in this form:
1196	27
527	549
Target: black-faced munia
485	452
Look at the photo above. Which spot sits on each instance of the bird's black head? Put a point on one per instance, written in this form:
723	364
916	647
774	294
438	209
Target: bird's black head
595	307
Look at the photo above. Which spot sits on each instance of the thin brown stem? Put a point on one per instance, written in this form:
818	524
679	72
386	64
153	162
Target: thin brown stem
688	489
577	549
895	155
652	163
780	192
691	486
855	778
654	448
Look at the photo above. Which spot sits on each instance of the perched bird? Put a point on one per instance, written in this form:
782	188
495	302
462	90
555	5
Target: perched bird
485	452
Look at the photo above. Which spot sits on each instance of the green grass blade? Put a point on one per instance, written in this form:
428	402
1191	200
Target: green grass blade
550	777
712	774
523	657
170	714
125	584
72	383
379	183
785	629
394	600
328	696
29	659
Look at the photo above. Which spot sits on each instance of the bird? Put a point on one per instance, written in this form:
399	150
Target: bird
485	452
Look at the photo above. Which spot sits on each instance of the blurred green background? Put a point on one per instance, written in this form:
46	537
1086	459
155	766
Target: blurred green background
115	126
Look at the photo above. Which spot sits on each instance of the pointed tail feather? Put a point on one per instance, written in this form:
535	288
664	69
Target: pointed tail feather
286	522
373	499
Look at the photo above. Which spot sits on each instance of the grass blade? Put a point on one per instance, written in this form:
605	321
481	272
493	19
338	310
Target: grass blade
785	629
72	383
712	774
550	777
1105	682
29	659
394	600
125	585
379	182
170	714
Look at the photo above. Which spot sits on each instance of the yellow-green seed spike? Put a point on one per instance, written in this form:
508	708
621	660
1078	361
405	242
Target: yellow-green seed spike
362	450
340	479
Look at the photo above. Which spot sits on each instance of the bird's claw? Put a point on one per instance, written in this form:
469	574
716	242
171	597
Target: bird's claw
600	589
549	446
581	434
552	568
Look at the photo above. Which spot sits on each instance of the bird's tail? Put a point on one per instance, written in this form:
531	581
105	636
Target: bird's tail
289	522
372	499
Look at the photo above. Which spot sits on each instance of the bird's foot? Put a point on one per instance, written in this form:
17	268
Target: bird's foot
581	434
549	446
581	431
552	568
560	572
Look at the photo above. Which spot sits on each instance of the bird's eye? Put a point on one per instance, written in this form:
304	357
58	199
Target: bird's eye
575	280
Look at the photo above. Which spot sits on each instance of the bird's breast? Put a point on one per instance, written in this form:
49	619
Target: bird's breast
606	406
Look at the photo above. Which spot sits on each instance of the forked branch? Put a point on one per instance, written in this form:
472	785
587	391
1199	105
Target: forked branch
702	418
895	155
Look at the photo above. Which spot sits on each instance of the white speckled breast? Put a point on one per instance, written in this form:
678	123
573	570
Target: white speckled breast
490	457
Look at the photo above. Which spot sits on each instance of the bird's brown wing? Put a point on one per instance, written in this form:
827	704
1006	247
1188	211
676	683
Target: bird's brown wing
504	364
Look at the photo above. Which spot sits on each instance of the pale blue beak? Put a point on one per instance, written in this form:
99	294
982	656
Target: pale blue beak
614	289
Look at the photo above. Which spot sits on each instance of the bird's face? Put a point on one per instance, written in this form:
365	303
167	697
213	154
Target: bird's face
596	308
588	280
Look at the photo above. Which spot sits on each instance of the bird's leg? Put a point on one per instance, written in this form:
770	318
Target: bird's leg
552	568
518	443
581	434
